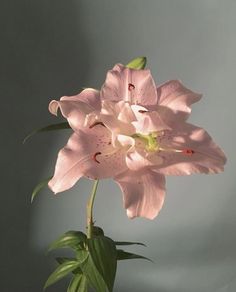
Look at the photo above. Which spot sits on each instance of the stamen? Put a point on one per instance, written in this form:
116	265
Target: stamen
142	111
131	86
188	151
95	156
96	124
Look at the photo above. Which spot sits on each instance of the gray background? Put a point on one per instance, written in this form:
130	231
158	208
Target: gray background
52	48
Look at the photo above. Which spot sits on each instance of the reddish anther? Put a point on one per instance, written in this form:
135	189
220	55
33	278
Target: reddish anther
95	156
142	111
95	124
188	151
131	86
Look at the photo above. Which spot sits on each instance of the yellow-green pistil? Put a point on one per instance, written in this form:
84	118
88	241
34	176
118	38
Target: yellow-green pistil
149	140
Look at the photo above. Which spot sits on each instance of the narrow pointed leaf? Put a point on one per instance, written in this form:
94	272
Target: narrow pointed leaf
61	271
93	276
39	187
137	63
128	243
62	260
103	254
124	255
78	284
54	127
70	239
82	255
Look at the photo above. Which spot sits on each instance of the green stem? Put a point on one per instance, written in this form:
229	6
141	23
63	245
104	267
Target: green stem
90	210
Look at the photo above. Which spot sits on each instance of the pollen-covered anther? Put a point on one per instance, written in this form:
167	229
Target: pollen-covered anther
94	157
131	87
188	151
96	124
142	111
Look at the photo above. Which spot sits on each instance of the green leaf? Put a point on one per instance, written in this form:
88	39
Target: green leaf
97	231
100	266
82	255
137	63
61	271
62	260
39	187
124	255
103	254
69	239
128	243
95	279
53	127
78	284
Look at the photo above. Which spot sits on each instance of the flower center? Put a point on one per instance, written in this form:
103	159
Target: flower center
149	140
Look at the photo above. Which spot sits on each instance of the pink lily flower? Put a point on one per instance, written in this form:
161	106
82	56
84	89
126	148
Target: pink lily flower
136	134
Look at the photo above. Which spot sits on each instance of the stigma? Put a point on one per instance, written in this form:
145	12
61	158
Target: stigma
150	141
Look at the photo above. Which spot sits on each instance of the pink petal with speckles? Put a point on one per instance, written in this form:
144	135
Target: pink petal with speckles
206	156
143	193
134	86
88	153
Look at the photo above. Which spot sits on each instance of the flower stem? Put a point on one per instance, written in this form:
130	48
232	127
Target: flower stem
90	210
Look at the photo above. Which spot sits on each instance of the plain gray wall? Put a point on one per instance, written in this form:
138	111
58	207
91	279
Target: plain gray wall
52	48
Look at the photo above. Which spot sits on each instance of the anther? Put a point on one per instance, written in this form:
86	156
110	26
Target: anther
131	86
96	124
188	151
142	111
95	156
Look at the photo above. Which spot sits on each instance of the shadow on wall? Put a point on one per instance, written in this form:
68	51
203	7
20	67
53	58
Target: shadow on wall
45	55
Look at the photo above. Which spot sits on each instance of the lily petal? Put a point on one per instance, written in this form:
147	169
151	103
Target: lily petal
117	117
206	158
143	193
148	121
125	112
134	86
75	108
67	170
140	159
176	97
88	153
126	141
